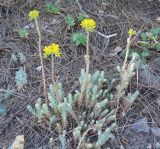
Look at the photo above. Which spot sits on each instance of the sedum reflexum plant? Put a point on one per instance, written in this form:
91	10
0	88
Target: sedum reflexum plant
20	78
34	15
125	76
89	25
81	16
52	8
126	73
23	33
94	115
150	40
4	95
85	116
19	56
69	21
79	38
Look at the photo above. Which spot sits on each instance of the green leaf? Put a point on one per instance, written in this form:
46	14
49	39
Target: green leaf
3	109
52	8
151	37
155	31
123	52
79	38
145	53
23	33
20	78
70	21
8	93
14	57
157	46
81	16
144	36
144	43
22	57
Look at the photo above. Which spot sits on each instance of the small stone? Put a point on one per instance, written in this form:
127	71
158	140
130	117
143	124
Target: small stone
141	125
39	68
158	20
156	131
149	146
158	102
157	145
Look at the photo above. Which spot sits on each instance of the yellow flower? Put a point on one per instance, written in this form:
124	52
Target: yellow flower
88	24
52	49
34	14
131	32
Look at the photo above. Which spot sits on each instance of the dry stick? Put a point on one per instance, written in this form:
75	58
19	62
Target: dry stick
84	85
41	59
79	5
54	82
85	133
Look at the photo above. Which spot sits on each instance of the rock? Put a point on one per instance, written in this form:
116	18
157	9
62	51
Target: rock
158	20
39	68
158	102
156	131
149	146
18	142
157	145
141	125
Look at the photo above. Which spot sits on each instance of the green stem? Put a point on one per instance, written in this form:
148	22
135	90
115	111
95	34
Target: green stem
124	73
84	84
54	82
123	80
127	52
52	61
87	55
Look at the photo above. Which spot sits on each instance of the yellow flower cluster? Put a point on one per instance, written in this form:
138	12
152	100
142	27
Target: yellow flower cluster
131	32
52	49
34	14
88	24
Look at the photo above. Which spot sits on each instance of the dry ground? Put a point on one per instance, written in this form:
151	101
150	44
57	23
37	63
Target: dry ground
116	16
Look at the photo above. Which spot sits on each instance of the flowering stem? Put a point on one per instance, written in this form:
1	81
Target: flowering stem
124	74
121	87
127	52
122	83
84	85
54	82
52	61
41	59
87	55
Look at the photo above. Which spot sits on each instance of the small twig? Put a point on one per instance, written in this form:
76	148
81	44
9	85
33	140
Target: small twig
75	117
80	7
106	36
85	133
